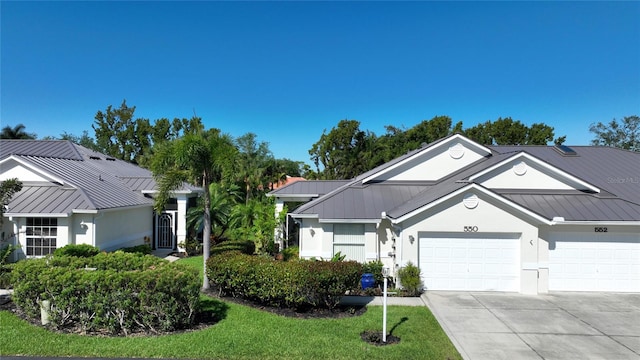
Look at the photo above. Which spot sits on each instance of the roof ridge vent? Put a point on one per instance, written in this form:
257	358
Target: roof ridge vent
94	157
564	150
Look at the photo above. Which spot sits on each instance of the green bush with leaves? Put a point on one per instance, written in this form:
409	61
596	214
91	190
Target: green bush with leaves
293	284
79	250
291	253
375	268
116	293
410	280
143	249
245	246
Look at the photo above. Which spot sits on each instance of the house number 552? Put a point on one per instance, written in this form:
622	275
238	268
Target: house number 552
470	229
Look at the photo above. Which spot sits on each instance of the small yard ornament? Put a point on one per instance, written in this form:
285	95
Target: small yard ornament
385	274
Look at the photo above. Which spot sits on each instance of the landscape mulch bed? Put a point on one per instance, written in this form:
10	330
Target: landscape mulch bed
206	319
313	313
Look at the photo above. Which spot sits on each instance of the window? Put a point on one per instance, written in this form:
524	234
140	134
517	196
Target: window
348	239
41	236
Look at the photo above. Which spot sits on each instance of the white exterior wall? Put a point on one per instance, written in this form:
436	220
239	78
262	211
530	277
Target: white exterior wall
311	235
82	229
510	176
123	228
13	169
489	217
434	164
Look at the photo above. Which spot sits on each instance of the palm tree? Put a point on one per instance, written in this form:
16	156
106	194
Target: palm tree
223	198
16	132
198	158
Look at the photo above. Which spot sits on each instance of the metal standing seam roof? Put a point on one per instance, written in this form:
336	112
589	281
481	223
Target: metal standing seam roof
616	172
361	202
613	170
578	207
60	149
91	181
309	187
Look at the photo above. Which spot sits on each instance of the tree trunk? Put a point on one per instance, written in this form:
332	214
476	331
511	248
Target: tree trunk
206	232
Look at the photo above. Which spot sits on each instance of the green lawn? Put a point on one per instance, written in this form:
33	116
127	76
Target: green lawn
247	333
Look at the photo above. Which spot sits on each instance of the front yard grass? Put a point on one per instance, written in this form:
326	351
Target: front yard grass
247	333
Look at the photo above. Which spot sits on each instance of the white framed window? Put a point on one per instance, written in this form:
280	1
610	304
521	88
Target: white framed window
41	236
348	239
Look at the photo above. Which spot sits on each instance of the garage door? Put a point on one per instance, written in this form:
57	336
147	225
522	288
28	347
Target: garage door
472	262
594	262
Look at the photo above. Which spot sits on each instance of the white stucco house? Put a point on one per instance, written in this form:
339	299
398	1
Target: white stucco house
73	195
528	219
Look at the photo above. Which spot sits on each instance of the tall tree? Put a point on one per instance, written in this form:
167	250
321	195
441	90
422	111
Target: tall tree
115	131
84	139
120	135
506	131
339	151
198	158
17	133
7	189
623	134
253	161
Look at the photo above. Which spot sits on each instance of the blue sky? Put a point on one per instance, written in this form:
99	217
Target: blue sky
288	70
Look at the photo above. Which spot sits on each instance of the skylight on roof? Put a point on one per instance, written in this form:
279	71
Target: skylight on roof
564	150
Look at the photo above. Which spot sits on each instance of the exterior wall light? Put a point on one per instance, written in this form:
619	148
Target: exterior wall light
411	239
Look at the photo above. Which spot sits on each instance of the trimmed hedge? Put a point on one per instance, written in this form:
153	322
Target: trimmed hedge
115	293
294	284
244	246
138	249
80	250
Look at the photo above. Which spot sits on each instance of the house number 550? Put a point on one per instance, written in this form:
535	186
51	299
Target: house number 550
470	229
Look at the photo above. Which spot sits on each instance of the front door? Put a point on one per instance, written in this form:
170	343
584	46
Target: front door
165	230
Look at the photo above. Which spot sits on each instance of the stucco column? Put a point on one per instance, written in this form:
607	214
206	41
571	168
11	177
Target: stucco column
181	228
278	236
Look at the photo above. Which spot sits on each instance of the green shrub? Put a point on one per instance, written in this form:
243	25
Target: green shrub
291	253
409	277
191	246
138	249
80	250
115	293
5	276
294	284
375	268
245	246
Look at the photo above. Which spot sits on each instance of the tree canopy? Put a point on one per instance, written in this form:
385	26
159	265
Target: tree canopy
16	132
122	136
7	189
346	150
624	134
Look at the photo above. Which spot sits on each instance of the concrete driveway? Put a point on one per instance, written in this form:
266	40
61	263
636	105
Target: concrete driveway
562	325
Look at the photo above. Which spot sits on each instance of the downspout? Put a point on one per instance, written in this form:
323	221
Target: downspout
378	241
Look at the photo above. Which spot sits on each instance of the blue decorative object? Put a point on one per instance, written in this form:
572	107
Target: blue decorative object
367	281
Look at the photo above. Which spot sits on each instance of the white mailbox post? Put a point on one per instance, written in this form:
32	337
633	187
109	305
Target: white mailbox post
385	274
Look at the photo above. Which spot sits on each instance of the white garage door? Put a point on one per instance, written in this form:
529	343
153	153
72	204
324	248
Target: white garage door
594	262
472	262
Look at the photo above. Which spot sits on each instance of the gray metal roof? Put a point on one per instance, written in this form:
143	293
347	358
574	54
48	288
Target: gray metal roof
361	202
615	172
578	207
91	181
48	200
309	187
61	149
